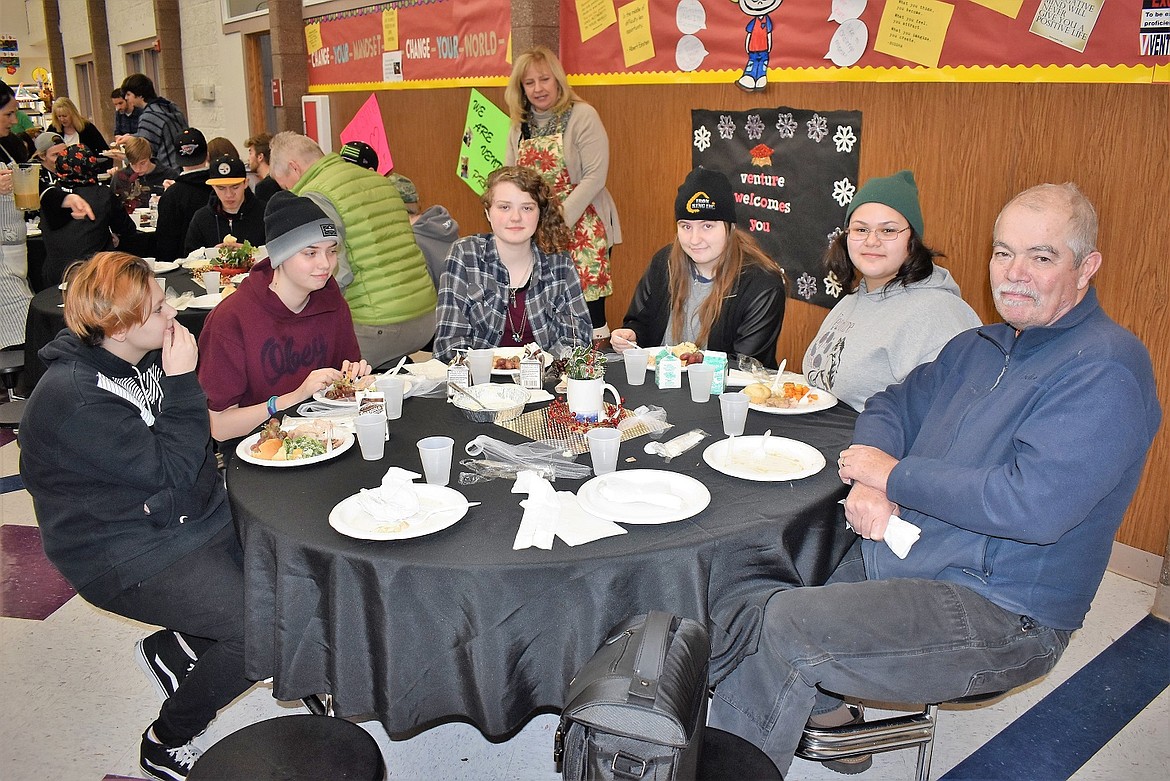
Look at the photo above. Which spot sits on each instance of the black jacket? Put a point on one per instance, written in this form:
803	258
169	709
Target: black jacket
119	464
748	324
211	223
176	207
67	239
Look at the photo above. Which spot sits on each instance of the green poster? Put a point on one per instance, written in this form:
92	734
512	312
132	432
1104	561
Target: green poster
485	137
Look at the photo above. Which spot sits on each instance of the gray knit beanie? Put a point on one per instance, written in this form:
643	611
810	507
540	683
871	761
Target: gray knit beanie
292	223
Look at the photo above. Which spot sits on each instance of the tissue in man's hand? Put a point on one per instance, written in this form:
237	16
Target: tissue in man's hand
900	536
394	501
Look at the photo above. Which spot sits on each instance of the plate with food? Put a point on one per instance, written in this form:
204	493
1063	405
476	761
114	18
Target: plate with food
208	301
764	459
788	397
161	266
506	360
343	391
686	352
643	496
296	442
438	508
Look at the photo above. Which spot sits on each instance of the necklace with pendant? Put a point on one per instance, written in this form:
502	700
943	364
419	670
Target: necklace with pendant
517	330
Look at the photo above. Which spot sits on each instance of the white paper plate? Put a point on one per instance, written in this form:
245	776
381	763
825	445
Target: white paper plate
244	451
784	459
596	496
824	400
515	352
208	301
343	403
349	519
161	266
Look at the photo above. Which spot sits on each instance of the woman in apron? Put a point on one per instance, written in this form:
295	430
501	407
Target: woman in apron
14	290
559	135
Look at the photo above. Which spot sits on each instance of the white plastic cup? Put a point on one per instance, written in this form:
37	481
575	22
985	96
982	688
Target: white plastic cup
480	361
211	281
371	434
161	282
393	386
636	359
733	407
604	444
702	375
435	453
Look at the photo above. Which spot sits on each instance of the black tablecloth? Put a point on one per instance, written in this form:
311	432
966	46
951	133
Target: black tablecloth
459	625
46	318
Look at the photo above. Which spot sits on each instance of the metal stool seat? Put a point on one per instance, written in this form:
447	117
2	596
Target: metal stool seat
293	748
880	735
11	365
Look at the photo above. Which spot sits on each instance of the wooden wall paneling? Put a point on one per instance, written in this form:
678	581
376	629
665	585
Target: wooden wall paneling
971	147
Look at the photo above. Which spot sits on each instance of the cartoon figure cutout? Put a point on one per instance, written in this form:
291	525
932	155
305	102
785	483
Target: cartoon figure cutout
758	42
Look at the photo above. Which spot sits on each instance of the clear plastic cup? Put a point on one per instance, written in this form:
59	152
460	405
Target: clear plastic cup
733	407
393	386
636	359
702	375
480	361
435	454
604	444
371	435
211	281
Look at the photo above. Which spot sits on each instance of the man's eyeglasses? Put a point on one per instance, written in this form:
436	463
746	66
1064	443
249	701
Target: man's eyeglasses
883	234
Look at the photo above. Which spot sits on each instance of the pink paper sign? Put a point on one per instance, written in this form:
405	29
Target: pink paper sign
367	126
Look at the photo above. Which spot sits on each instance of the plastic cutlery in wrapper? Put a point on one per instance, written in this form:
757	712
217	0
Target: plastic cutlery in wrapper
653	418
495	459
677	446
617	489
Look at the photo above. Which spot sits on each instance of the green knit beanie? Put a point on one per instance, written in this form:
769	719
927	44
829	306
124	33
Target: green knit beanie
898	191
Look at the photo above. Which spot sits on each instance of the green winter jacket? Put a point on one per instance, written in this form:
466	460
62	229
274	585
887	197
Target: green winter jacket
390	280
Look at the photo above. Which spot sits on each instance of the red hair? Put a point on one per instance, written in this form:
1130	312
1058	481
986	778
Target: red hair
110	292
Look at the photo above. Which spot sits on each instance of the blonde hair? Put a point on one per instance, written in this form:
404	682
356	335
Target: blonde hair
514	94
79	122
110	292
137	149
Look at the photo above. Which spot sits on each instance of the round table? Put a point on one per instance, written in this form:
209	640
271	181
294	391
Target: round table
457	625
46	318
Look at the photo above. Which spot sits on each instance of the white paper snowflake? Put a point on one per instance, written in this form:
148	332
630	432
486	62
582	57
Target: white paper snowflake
786	125
806	286
726	126
754	126
833	285
702	138
818	128
843	192
844	138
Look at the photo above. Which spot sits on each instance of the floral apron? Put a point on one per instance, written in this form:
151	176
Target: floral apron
543	149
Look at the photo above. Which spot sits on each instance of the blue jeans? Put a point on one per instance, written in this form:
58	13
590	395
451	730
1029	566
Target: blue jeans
886	640
201	595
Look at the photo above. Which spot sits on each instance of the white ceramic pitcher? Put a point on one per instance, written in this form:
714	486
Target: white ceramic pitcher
585	397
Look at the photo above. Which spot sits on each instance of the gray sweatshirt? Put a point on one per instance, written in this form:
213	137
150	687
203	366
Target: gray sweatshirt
871	340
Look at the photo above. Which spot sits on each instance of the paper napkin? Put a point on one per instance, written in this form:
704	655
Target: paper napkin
577	527
394	500
542	511
901	535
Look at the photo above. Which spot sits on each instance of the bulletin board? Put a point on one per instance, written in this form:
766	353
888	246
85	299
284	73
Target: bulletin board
711	41
419	43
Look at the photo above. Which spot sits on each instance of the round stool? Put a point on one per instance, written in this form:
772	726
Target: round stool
293	748
726	757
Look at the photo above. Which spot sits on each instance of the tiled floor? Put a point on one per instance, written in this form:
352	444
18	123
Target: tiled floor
76	702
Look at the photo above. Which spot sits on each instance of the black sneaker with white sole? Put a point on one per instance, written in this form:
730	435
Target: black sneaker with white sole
166	659
166	763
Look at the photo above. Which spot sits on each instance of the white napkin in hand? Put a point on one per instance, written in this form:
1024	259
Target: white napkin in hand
900	536
394	500
617	489
578	527
542	510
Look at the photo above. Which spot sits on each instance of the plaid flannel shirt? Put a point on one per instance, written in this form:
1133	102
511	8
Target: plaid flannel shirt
473	300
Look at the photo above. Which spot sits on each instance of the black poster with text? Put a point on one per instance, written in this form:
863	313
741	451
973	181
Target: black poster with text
793	172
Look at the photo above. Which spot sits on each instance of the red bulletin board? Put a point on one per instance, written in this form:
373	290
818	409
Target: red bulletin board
425	43
979	42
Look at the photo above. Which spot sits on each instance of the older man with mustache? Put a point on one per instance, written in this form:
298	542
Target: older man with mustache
1016	452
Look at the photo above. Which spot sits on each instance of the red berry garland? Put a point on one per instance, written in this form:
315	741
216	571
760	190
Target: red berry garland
558	412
